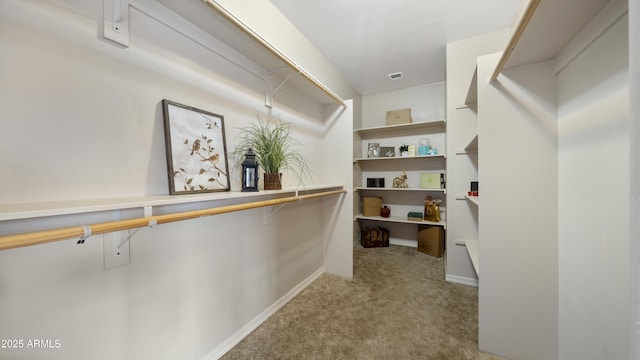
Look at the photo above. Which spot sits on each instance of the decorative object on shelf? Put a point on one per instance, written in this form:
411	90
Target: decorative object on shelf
414	216
375	182
431	240
432	209
411	151
385	211
400	182
196	149
387	151
404	150
371	205
425	147
374	237
373	150
474	189
432	181
397	117
250	172
276	149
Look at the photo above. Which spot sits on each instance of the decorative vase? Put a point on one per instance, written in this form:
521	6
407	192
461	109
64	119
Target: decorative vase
385	211
272	181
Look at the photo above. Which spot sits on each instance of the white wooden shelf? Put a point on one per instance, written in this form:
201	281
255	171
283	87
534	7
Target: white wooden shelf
400	219
403	157
473	199
472	146
71	207
220	23
362	188
473	250
472	94
418	126
545	29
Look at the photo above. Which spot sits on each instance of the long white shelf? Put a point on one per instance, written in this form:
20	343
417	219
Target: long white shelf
545	29
403	157
472	249
361	188
70	207
410	126
399	219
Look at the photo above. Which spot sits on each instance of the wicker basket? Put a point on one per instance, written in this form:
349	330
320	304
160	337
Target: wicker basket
374	237
272	181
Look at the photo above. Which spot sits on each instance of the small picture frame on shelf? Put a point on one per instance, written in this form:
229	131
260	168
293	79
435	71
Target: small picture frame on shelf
373	150
196	149
387	151
412	150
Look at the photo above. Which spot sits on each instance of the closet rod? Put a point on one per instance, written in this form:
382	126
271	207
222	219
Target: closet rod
41	237
519	30
245	28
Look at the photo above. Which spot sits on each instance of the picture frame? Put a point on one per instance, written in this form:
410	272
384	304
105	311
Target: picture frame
387	151
373	150
196	149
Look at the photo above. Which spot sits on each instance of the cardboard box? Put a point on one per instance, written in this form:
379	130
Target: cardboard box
432	181
371	205
431	240
402	116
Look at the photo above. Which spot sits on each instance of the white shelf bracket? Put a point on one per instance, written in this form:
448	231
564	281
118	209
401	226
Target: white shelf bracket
152	223
116	21
270	91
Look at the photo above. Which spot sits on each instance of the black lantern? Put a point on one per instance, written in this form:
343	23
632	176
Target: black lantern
250	172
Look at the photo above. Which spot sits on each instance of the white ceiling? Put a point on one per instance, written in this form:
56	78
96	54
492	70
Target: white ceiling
369	39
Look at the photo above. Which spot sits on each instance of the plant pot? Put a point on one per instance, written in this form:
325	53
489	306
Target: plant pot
272	181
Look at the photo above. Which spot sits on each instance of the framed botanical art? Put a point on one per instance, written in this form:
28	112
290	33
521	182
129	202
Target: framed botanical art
196	149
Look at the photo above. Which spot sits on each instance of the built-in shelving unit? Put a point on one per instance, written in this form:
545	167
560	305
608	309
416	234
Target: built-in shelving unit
395	165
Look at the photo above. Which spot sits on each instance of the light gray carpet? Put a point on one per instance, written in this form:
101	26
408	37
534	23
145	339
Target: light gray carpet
397	306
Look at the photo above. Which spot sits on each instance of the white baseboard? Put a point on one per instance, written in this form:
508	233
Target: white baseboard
234	339
462	280
401	242
408	243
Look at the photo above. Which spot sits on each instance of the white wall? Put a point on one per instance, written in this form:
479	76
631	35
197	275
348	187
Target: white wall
634	79
518	227
81	119
594	199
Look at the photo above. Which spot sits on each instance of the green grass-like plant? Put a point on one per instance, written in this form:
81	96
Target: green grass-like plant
275	147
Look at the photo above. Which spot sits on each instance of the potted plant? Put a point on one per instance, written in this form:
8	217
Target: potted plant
404	150
275	148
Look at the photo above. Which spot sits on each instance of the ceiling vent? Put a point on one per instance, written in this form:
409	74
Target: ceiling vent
395	76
